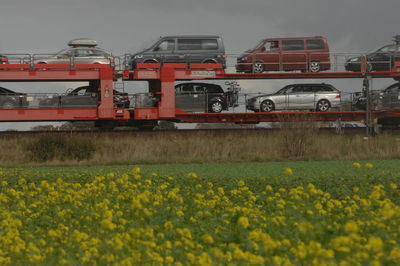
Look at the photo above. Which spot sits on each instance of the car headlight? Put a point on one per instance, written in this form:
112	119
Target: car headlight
244	58
138	56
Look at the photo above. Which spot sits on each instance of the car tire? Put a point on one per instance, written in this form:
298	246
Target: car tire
314	66
8	105
323	105
257	67
209	62
216	107
267	106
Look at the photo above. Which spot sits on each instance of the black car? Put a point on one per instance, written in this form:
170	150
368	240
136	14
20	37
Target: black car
85	96
382	59
202	97
10	99
386	99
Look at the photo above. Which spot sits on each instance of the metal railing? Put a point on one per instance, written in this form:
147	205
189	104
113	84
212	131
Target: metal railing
292	61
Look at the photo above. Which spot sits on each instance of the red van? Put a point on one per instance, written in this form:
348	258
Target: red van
308	54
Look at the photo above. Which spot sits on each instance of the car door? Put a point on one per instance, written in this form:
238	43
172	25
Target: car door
293	55
391	97
269	54
81	97
281	97
381	59
300	97
164	51
183	96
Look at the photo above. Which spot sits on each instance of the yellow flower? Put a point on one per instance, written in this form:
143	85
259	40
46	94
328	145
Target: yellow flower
357	165
369	165
192	175
243	222
393	186
207	239
351	227
375	244
288	171
240	183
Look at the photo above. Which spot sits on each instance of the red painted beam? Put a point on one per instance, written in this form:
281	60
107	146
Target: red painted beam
49	75
280	116
48	114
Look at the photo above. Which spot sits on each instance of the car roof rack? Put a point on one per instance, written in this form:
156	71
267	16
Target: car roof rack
82	42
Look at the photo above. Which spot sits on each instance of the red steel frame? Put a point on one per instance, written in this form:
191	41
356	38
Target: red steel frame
162	81
166	76
62	72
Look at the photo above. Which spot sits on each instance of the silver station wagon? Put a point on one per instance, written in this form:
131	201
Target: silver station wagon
81	51
319	97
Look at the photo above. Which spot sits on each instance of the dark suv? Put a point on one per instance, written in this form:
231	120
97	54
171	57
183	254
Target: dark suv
85	96
381	59
386	99
200	97
181	49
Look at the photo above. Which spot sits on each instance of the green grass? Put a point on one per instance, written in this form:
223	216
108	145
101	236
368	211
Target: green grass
337	177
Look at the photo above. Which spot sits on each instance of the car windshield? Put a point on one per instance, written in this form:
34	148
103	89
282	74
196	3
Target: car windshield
64	52
283	90
259	44
387	48
148	44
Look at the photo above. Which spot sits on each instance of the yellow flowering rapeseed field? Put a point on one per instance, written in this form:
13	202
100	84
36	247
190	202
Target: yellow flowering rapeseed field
133	218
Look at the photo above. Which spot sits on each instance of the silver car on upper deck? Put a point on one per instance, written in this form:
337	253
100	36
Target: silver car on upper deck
319	97
81	51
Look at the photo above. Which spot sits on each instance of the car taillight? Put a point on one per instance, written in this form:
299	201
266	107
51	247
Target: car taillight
126	96
338	96
4	59
221	56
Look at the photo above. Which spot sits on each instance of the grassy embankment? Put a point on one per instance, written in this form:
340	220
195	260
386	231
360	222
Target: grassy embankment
204	147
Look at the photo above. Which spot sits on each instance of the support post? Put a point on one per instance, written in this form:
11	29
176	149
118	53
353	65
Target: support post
106	94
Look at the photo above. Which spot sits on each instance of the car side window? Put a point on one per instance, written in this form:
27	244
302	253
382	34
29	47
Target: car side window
96	52
198	88
83	52
167	45
308	89
315	44
271	46
298	89
287	90
67	53
393	89
292	45
187	88
214	89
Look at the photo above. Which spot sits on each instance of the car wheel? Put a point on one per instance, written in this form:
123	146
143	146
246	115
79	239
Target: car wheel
216	107
258	67
323	105
209	62
8	105
314	66
267	106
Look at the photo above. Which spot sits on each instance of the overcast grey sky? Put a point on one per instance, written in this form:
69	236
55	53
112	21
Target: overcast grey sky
121	26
